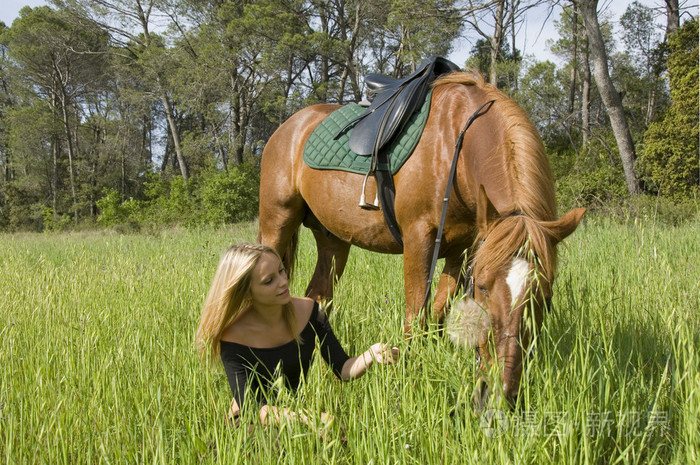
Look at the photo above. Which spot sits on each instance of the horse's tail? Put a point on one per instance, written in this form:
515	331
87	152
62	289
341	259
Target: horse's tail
289	257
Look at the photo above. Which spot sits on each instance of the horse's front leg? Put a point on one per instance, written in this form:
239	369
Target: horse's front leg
416	262
451	279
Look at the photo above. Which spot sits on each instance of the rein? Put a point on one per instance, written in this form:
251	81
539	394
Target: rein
483	109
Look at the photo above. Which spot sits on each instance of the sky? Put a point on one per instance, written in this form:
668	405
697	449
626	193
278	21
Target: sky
9	9
536	31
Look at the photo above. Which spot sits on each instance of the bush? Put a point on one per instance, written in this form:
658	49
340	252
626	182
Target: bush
665	211
589	180
174	206
53	223
114	212
230	197
215	198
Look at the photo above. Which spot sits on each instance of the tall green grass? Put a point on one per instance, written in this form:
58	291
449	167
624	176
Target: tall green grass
97	362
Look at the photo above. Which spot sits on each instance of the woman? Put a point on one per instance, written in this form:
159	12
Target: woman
252	322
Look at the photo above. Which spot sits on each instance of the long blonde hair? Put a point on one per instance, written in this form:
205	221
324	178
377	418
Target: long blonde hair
230	294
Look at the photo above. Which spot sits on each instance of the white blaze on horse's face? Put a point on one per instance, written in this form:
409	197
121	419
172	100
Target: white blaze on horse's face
517	279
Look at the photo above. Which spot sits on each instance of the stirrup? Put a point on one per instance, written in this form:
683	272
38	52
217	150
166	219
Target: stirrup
363	203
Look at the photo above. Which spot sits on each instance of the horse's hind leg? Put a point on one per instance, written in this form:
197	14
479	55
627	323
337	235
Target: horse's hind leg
330	264
278	227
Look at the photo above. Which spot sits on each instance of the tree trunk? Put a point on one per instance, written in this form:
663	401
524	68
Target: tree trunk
608	93
54	180
574	58
144	17
673	18
349	70
71	155
325	65
586	96
512	41
496	40
175	136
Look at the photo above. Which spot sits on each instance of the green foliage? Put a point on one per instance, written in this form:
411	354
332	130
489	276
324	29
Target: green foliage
231	72
54	223
543	97
668	162
591	178
230	197
507	63
22	208
176	206
664	211
422	28
115	212
218	197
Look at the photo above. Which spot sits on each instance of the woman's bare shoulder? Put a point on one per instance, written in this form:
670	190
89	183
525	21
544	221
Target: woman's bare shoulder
237	332
303	306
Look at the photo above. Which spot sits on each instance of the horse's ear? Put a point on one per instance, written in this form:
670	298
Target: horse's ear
561	228
486	213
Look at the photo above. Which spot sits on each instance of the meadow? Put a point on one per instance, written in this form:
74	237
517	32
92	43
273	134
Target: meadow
97	361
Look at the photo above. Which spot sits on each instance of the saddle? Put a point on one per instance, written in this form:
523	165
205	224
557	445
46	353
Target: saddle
393	101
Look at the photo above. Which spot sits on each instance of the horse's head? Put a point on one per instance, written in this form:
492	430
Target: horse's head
513	271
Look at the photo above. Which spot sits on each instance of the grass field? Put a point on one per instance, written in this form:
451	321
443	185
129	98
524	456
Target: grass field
97	362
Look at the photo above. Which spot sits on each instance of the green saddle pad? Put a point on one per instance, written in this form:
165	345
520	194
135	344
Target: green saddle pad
324	153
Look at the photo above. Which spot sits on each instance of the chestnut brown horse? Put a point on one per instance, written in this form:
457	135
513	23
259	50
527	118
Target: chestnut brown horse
501	215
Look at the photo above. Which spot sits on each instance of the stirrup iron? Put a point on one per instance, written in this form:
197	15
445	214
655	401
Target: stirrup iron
363	203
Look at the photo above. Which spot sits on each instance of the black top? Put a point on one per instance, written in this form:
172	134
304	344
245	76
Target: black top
258	366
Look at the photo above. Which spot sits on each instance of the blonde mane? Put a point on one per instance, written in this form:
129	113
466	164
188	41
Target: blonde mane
528	169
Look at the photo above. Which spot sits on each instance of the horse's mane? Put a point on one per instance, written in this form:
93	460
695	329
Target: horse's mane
526	160
532	180
521	236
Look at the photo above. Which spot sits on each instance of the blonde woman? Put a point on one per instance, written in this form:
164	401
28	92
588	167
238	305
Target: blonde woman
254	325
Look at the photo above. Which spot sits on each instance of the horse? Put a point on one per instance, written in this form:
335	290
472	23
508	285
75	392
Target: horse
501	219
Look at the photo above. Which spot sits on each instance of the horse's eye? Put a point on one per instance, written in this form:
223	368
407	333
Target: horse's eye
483	290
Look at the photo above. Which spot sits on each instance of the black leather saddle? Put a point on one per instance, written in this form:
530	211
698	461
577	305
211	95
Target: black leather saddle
393	101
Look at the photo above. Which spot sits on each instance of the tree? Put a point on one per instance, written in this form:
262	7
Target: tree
420	28
507	67
643	46
61	56
673	17
542	96
491	20
611	97
669	160
129	24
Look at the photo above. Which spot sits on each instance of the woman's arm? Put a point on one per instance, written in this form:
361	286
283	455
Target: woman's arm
357	366
344	367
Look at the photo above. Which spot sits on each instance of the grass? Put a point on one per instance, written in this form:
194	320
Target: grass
97	360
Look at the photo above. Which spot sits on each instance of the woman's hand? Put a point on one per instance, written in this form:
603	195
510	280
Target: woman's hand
384	354
380	353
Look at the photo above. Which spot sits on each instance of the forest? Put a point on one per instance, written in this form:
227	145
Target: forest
152	113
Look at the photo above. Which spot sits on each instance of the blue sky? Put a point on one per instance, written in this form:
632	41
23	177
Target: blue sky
536	31
9	9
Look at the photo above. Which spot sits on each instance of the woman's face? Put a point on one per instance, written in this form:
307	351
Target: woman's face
269	285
